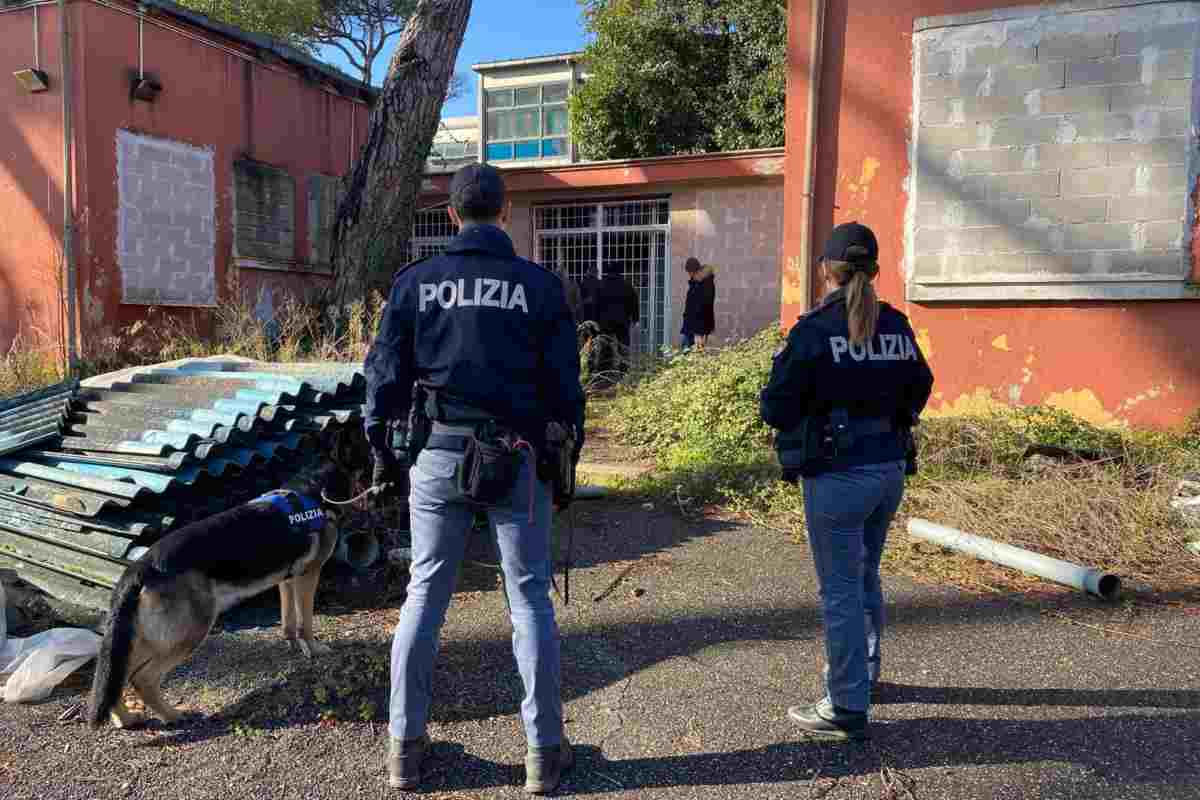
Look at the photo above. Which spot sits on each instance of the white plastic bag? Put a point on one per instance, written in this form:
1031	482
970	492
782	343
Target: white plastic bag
41	662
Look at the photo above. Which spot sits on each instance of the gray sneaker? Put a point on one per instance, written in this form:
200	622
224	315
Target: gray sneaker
545	766
405	757
830	722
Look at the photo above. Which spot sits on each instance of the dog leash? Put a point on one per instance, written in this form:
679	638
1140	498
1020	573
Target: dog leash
567	563
374	490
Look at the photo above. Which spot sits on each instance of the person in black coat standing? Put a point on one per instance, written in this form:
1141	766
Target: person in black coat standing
616	308
699	319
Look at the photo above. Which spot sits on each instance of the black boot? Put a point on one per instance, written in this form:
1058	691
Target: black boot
830	722
545	766
405	757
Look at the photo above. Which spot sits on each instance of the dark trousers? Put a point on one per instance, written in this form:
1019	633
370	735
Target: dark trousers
610	354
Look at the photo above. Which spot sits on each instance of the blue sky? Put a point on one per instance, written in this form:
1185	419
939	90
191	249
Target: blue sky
499	31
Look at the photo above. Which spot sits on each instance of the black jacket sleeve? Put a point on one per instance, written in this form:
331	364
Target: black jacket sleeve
389	366
918	390
560	364
708	301
633	306
786	399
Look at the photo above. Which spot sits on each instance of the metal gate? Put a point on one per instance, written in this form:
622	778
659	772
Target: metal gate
432	232
631	237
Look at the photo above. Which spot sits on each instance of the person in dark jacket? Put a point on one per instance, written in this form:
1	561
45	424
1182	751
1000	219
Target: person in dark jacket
573	293
616	308
589	289
486	340
698	317
844	393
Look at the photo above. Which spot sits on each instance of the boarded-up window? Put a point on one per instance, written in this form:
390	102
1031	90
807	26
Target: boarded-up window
166	238
265	208
324	194
1053	153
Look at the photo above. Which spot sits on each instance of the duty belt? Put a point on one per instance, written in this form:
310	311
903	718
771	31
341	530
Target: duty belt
450	437
870	426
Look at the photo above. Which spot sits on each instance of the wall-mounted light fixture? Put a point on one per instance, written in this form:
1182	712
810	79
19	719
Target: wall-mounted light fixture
33	79
143	88
146	89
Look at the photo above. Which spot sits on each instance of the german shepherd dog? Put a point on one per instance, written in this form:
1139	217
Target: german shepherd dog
167	602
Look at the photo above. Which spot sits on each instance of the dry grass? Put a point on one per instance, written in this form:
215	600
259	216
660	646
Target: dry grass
299	331
25	368
1113	514
698	418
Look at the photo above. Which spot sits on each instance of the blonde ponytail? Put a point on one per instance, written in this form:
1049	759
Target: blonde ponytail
862	304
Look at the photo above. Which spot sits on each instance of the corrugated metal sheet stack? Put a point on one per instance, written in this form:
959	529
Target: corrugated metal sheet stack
144	451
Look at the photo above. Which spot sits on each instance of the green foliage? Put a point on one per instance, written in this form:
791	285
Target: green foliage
697	417
290	21
681	76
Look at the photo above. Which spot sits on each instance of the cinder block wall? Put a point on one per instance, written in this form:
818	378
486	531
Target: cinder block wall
1053	149
738	230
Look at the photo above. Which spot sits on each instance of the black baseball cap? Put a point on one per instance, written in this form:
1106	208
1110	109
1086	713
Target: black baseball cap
477	191
848	235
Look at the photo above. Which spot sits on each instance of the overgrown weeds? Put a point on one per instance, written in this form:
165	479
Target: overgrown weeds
298	330
1100	496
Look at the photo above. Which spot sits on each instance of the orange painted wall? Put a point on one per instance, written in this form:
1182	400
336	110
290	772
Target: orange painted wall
31	185
1112	362
211	98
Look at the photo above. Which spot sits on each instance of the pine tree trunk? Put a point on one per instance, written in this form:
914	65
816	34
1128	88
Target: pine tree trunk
374	219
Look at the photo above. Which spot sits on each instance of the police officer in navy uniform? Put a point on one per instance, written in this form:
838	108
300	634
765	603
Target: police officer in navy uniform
480	345
844	393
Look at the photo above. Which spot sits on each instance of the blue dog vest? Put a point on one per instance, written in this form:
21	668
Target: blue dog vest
302	512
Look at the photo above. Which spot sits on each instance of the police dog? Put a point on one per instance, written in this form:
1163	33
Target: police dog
166	603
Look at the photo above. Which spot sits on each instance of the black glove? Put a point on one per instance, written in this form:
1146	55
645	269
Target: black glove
389	476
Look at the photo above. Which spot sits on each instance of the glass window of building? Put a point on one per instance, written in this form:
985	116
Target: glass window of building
527	123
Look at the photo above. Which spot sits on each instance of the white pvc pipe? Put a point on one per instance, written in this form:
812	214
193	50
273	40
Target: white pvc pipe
1094	581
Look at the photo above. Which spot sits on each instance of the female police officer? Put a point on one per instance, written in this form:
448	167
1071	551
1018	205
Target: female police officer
844	393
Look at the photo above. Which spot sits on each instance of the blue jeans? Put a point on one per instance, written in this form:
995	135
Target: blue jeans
687	340
441	521
848	514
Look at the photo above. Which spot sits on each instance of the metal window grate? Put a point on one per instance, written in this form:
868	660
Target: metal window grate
630	237
568	253
432	231
637	213
566	217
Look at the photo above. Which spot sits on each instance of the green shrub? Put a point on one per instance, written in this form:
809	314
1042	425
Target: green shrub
697	416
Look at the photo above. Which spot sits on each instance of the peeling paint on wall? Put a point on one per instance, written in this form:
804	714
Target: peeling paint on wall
979	403
1084	404
925	342
1001	343
1154	393
793	284
860	189
768	166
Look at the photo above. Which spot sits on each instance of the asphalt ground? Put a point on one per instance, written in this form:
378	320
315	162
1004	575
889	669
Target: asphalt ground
676	681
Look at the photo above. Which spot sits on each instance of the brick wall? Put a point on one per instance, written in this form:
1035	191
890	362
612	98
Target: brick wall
739	230
166	237
734	225
1052	154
